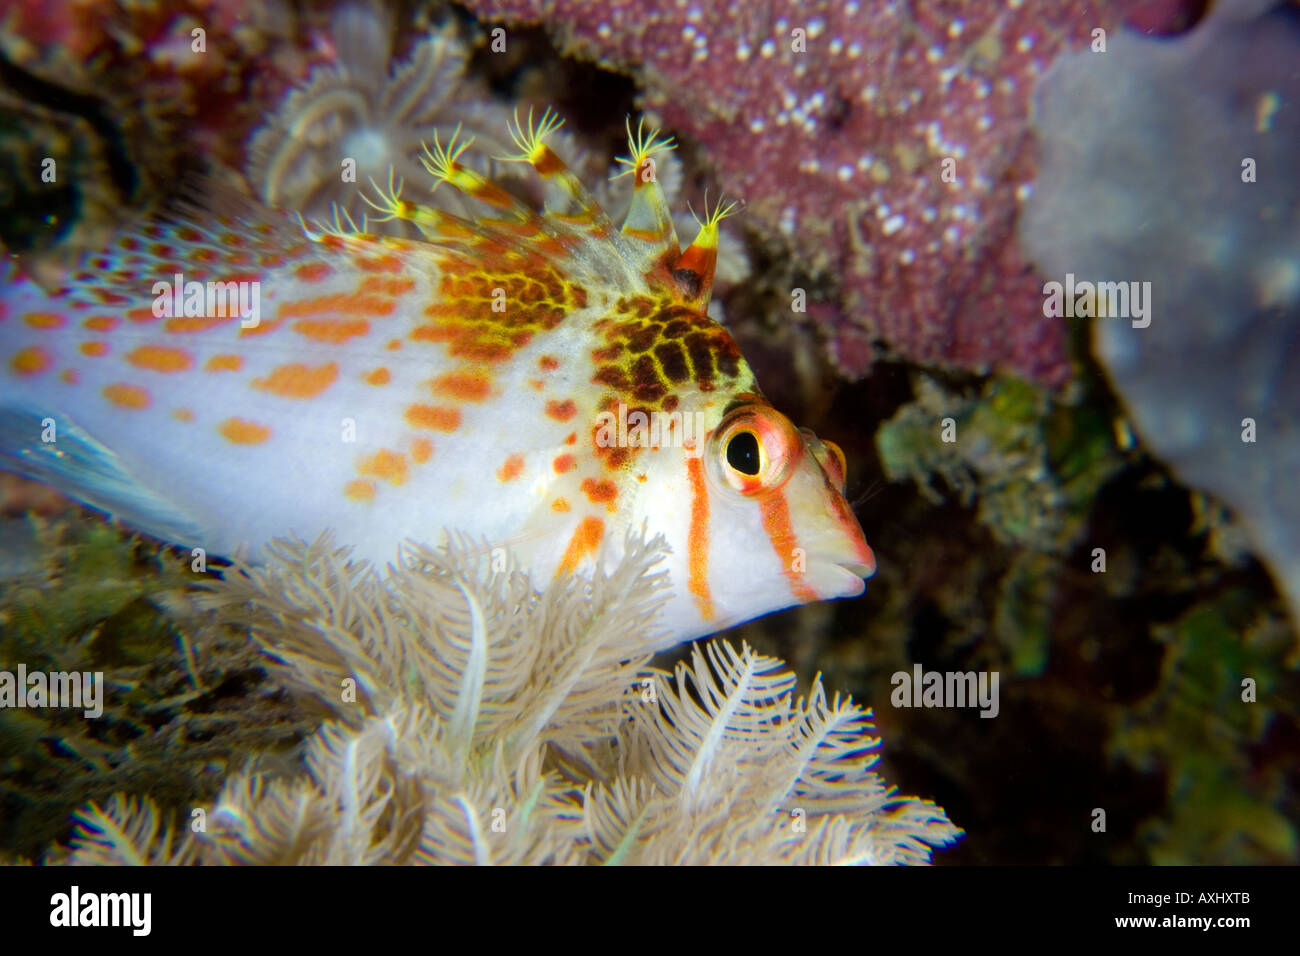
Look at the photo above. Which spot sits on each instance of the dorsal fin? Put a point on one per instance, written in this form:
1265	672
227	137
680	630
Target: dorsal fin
647	242
648	225
443	163
695	267
565	197
207	231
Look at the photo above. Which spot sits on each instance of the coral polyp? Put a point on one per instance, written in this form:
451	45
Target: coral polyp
361	117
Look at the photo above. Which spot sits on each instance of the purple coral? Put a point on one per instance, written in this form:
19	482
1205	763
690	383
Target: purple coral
1187	182
833	120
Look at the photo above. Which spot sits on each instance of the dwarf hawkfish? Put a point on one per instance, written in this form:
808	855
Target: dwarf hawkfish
536	380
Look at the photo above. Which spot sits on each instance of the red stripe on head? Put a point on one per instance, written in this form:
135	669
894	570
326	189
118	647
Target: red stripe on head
776	522
697	542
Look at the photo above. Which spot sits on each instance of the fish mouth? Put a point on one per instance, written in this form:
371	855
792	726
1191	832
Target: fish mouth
842	579
838	571
859	570
836	568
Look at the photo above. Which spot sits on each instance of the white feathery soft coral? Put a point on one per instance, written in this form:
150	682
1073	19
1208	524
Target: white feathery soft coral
492	723
367	110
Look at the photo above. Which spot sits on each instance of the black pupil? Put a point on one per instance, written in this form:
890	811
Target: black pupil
742	453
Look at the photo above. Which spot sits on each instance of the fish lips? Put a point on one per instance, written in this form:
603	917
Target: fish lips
842	579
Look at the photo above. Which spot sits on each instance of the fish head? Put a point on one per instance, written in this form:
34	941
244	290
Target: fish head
756	518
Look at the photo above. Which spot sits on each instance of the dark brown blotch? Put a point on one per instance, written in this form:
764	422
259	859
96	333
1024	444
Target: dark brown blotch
645	380
673	361
613	376
700	350
643	338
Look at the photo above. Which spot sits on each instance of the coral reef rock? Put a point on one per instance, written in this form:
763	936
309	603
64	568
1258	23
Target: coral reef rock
887	142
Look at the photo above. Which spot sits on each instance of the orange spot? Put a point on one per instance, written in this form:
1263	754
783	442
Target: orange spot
332	331
537	384
224	363
603	491
159	358
478	351
512	469
313	271
421	450
466	386
561	411
433	417
388	263
439	333
44	320
142	315
379	376
385	464
100	323
641	478
559	504
183	415
584	543
393	345
697	541
548	363
572	439
298	381
348	303
30	361
360	490
69	376
563	463
394	287
242	432
94	349
263	327
126	396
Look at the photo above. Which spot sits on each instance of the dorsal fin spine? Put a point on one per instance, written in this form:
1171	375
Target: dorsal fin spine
700	259
567	199
648	220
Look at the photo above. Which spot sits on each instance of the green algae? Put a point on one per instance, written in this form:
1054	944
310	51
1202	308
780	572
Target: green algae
1147	658
185	700
1199	727
1032	464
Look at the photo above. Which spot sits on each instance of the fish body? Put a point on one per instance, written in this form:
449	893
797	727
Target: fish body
535	380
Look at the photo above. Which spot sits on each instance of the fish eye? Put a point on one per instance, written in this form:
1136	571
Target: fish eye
754	450
742	453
